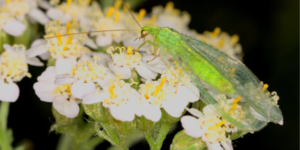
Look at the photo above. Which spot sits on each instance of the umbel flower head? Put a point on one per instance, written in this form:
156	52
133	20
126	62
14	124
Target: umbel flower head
13	68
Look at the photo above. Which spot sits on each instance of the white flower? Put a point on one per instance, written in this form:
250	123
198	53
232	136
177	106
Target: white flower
159	94
124	62
10	25
223	42
13	68
84	76
60	95
172	18
119	97
209	128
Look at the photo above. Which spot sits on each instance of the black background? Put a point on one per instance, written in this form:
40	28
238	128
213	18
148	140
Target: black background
269	34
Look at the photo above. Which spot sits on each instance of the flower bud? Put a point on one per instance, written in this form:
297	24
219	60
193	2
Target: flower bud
144	124
96	111
182	141
4	39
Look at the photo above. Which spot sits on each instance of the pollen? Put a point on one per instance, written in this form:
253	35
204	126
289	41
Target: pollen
234	39
68	28
117	4
8	1
216	32
265	87
117	17
110	12
59	38
158	88
221	123
153	19
141	14
69	2
169	6
221	43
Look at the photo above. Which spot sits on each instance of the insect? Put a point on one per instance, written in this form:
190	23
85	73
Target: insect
209	68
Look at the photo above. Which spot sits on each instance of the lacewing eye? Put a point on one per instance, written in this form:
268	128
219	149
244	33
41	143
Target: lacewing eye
144	32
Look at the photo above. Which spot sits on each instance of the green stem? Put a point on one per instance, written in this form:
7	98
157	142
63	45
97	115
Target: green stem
64	142
164	129
149	139
5	143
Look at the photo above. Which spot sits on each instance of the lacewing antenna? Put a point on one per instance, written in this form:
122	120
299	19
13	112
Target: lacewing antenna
131	13
89	32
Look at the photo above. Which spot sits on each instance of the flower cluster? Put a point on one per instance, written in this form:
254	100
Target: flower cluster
92	63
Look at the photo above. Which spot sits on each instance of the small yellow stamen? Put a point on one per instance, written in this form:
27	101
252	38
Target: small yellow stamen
69	39
158	88
216	32
124	7
153	19
129	51
111	91
7	1
141	14
69	2
58	21
169	6
117	16
221	43
180	70
59	38
176	63
110	12
177	87
221	123
117	4
265	87
234	39
237	100
68	27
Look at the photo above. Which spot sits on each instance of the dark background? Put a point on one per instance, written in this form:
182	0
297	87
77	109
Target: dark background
269	34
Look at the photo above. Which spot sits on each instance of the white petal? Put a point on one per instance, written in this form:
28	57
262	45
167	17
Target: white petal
9	92
62	81
8	48
84	58
209	110
104	40
192	94
156	65
67	108
39	16
44	91
121	69
94	98
214	146
122	113
55	14
48	75
14	28
175	107
191	126
36	50
227	145
195	112
45	55
151	112
34	61
44	4
80	89
90	43
38	42
103	82
145	72
64	65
